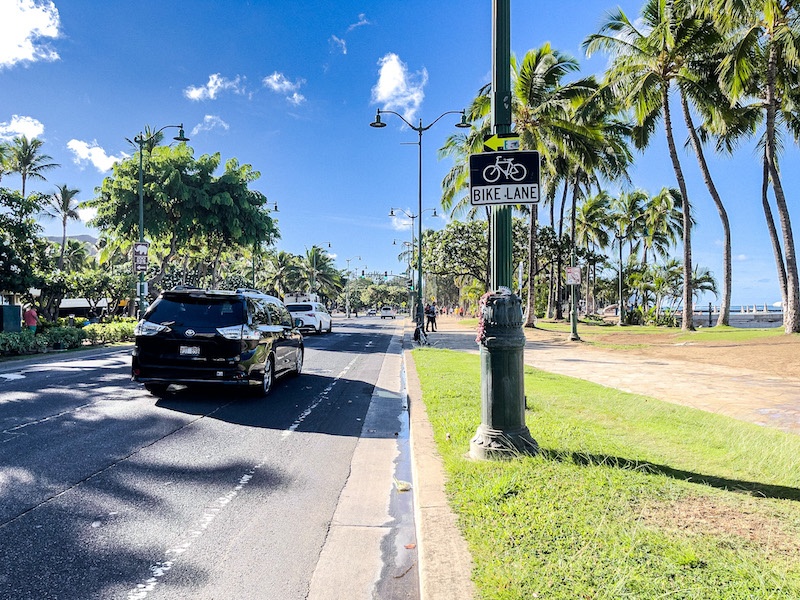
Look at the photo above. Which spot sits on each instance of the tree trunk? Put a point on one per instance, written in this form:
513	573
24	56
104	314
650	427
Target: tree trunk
773	232
560	258
530	308
725	305
687	321
791	309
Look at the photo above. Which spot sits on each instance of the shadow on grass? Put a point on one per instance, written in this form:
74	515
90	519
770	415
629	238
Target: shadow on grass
753	488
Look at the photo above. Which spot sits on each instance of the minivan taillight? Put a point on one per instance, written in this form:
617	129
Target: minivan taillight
239	332
146	328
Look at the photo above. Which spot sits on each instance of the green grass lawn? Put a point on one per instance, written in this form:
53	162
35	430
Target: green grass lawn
630	497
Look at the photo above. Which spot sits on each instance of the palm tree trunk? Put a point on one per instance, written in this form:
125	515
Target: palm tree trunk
560	258
530	307
773	232
725	303
63	243
687	320
791	309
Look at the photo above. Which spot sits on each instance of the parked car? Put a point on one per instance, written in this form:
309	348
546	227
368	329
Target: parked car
193	336
388	312
314	316
372	312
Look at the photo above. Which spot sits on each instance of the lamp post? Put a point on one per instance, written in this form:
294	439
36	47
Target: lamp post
420	129
347	287
420	294
256	243
621	308
141	141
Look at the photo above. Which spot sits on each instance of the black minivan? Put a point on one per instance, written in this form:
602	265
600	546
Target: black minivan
195	336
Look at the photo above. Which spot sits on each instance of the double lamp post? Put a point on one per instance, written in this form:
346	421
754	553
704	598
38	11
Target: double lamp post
420	129
141	140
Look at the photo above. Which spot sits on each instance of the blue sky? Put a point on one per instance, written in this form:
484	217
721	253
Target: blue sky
291	87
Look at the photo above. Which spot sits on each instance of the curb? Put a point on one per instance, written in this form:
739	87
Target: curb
445	564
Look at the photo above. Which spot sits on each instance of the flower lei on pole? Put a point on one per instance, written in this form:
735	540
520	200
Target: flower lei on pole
481	337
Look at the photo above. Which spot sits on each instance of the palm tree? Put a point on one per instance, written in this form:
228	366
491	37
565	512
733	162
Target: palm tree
545	119
761	61
25	157
647	61
283	272
61	205
76	256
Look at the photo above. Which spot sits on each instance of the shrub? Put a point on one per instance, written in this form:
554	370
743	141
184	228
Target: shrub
65	337
23	342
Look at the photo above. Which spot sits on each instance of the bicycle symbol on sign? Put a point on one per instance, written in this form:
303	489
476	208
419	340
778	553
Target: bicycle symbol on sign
506	167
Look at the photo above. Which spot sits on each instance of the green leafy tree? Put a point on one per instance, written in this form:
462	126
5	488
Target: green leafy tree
185	205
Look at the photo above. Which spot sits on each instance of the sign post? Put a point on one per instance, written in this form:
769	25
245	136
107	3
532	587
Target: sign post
496	180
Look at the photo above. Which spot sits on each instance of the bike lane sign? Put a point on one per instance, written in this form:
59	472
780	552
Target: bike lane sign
504	178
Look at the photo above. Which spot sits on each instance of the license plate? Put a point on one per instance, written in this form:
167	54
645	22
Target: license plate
190	350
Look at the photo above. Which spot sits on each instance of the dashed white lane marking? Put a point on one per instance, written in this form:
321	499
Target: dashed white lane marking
323	396
212	510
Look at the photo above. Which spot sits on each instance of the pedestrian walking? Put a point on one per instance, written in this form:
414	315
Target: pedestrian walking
31	318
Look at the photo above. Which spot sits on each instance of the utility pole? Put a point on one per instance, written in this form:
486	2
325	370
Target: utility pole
502	432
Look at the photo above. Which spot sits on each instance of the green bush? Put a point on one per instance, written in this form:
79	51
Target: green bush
109	333
65	337
23	342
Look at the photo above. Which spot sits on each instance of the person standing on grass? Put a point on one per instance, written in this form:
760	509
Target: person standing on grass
31	318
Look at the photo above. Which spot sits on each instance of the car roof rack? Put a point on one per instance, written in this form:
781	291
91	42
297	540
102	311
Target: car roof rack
248	290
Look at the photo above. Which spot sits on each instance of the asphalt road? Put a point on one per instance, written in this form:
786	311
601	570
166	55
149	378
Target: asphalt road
107	492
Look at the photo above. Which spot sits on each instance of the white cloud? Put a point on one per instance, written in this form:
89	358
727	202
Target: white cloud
338	44
741	257
397	89
278	83
216	84
209	123
23	24
362	20
27	126
401	222
94	154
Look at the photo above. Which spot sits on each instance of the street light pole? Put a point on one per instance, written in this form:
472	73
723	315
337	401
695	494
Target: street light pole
255	246
141	141
347	286
420	129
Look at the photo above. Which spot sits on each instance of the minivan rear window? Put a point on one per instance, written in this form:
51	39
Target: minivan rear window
193	310
299	307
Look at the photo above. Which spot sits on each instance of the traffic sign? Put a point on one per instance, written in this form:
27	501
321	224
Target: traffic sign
504	178
573	275
140	256
501	141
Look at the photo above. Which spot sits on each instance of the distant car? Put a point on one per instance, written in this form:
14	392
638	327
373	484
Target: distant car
192	336
314	316
388	312
372	312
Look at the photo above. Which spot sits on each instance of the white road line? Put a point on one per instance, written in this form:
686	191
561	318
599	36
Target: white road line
213	509
323	396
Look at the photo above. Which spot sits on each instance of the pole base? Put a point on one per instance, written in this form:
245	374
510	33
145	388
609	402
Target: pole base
494	444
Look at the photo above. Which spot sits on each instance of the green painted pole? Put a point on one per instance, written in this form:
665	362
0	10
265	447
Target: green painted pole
502	432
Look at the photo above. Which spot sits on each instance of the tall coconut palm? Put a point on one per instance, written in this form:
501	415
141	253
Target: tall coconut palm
27	159
283	271
762	62
647	62
545	119
62	205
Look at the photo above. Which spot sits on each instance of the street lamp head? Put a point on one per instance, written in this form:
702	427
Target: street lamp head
464	124
391	212
181	137
434	213
377	122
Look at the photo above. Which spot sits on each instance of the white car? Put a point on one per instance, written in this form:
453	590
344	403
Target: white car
314	316
388	312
